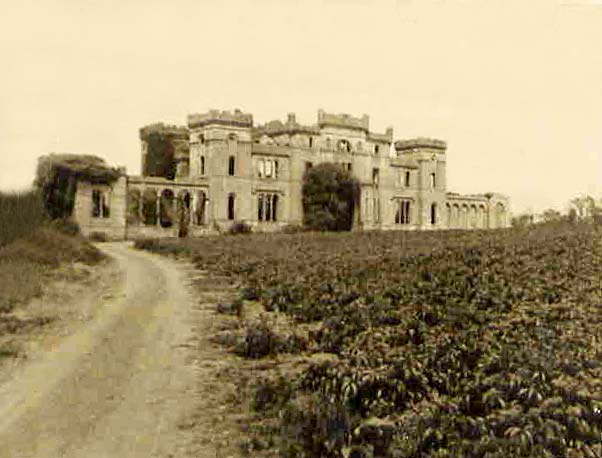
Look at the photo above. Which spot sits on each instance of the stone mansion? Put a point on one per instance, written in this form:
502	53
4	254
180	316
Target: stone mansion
221	168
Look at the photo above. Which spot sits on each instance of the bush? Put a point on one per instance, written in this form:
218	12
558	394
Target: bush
240	227
98	237
66	226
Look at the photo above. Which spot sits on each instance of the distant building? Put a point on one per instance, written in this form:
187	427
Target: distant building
221	168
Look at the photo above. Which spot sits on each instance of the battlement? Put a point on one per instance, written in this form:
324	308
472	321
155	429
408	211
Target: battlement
224	118
290	127
343	120
420	143
167	130
386	137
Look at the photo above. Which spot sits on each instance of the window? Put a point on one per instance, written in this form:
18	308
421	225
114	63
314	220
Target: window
231	165
407	184
376	209
231	199
376	149
433	181
433	213
402	211
199	204
375	177
308	165
100	204
267	207
311	142
344	145
202	139
202	165
267	168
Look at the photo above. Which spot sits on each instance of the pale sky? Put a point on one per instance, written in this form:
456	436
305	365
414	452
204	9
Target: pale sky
514	87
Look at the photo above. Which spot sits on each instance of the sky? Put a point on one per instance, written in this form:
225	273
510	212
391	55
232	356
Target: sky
513	87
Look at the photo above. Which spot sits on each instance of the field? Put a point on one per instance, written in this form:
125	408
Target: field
440	344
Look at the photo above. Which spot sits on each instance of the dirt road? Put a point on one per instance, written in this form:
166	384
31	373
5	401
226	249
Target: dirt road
118	386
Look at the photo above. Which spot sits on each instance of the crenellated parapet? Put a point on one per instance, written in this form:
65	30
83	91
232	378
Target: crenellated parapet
387	137
290	127
225	118
421	143
343	120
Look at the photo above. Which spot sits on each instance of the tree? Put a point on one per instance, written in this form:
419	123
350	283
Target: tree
551	215
523	220
330	195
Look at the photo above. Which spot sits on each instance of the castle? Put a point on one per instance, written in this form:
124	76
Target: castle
221	168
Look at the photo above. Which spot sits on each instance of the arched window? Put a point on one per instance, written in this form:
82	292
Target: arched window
267	207
231	203
433	182
433	213
149	207
260	207
231	165
166	207
407	181
202	165
274	207
311	142
202	139
199	205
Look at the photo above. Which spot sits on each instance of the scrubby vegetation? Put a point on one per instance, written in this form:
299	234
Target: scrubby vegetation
20	213
31	247
444	344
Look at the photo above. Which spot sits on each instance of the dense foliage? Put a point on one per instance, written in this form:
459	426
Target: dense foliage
447	344
330	194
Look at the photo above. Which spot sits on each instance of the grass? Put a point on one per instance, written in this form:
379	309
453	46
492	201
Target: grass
31	250
20	214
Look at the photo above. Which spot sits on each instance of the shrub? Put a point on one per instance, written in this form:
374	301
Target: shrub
66	226
98	237
240	227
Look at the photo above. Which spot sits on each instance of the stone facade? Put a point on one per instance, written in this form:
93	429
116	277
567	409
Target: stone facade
231	170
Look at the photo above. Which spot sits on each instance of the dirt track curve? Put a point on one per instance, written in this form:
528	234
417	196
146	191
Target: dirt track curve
119	385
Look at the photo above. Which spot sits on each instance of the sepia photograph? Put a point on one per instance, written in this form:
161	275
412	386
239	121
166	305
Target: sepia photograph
285	229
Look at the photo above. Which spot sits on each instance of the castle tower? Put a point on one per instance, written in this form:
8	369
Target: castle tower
430	154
